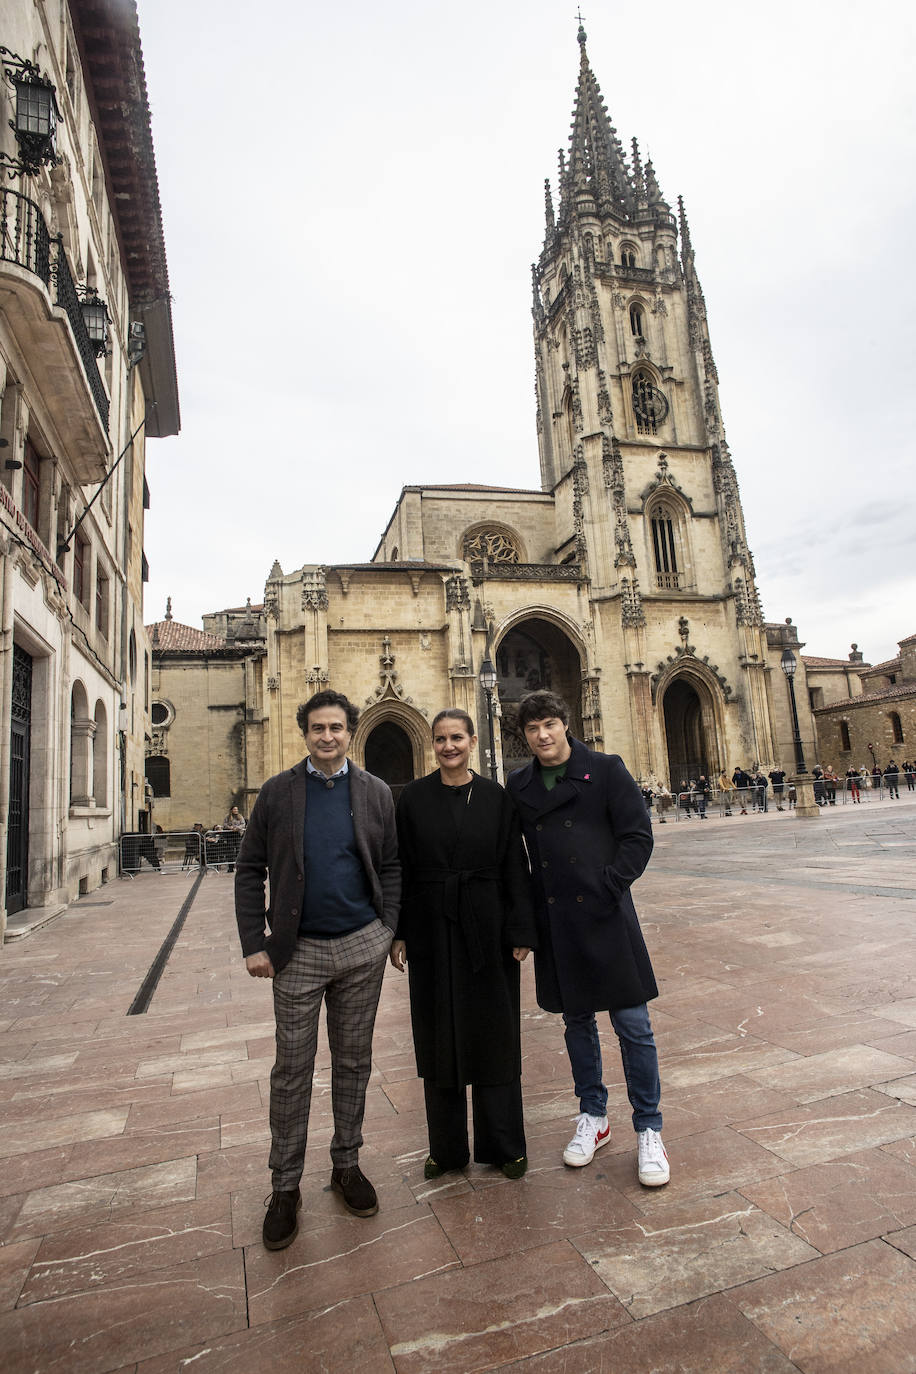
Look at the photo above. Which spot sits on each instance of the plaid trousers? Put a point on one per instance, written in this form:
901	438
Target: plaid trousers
346	973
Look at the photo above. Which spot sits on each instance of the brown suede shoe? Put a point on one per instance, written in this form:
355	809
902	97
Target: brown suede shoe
356	1190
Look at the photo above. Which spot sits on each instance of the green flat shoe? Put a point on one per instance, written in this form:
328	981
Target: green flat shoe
515	1168
431	1169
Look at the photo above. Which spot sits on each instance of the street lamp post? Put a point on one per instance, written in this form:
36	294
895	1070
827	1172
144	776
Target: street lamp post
788	663
487	679
806	807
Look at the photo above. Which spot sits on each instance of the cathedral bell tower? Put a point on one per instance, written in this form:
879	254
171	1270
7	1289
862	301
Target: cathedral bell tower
633	447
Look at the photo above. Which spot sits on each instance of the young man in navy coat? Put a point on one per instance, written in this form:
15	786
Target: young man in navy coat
589	838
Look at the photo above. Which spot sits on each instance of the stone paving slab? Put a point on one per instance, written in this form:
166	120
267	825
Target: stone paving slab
133	1149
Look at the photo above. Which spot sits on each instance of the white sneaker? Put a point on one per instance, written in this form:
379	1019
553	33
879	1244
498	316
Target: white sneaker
591	1133
653	1161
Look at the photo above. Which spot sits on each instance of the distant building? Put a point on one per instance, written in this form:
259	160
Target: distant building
876	724
87	374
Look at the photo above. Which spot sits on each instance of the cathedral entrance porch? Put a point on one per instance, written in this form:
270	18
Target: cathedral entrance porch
689	732
533	656
389	755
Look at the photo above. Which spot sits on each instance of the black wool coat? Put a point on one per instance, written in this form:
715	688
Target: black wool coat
588	839
466	904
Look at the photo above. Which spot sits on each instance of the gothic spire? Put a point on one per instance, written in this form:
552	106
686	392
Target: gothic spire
638	181
653	190
548	210
686	245
596	176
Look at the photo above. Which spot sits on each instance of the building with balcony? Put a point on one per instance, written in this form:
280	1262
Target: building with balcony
87	375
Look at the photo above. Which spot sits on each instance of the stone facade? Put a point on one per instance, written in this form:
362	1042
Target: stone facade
625	582
81	231
877	723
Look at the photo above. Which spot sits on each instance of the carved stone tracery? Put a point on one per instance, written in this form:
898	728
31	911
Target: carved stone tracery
493	545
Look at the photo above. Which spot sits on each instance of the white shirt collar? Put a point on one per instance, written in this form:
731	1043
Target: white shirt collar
310	768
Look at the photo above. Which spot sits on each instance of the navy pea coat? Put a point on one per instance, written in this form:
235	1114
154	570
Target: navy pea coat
588	839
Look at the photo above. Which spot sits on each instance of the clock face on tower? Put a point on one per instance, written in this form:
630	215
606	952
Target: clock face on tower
650	406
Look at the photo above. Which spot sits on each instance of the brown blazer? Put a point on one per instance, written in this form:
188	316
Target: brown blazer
273	846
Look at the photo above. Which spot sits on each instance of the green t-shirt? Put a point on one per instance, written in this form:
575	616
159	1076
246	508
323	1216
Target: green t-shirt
551	776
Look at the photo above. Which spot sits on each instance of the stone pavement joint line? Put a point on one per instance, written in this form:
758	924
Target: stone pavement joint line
133	1148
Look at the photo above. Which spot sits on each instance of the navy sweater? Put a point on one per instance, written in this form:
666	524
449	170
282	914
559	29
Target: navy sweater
338	898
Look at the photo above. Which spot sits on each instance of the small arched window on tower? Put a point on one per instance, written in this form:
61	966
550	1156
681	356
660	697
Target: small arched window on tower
845	743
664	547
650	408
637	322
627	255
896	727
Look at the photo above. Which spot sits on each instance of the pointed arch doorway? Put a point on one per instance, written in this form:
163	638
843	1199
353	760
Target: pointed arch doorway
691	746
389	755
535	655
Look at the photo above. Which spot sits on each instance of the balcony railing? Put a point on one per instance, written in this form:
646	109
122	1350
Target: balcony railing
668	581
69	302
24	237
25	241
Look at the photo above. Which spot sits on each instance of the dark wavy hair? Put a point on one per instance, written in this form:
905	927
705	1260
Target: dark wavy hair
541	706
327	698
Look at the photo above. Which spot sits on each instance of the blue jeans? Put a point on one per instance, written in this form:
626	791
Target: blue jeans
640	1064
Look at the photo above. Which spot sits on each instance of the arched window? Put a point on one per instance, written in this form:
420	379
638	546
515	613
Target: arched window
637	322
896	727
627	255
845	744
82	730
650	408
494	545
160	714
159	775
100	756
664	546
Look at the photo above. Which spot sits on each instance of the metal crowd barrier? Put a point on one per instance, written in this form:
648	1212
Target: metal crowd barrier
221	849
172	852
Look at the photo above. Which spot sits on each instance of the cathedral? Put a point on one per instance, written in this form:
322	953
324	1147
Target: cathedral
624	581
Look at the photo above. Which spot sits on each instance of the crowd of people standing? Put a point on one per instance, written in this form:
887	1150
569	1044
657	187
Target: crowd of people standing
751	790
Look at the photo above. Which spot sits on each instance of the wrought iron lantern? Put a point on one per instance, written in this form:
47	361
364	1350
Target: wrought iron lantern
37	116
487	678
96	320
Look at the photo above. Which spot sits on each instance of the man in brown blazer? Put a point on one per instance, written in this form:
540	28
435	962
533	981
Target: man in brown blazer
324	834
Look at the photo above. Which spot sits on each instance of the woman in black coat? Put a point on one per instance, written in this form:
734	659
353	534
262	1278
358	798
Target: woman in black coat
466	924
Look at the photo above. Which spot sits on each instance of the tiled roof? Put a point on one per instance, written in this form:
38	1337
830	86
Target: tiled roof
895	693
172	635
889	665
812	662
475	486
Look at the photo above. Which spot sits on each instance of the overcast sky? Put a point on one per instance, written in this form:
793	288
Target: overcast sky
352	198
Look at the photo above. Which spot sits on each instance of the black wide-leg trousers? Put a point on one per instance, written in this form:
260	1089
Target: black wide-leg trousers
499	1128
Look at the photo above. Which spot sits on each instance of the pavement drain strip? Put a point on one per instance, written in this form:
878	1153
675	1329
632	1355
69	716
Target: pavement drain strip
144	996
